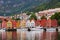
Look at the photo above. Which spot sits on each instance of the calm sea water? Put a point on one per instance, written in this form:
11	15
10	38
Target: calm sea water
32	35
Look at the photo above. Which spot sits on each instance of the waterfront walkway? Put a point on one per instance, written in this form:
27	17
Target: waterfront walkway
35	29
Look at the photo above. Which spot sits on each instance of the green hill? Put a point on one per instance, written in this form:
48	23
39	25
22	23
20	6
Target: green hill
44	6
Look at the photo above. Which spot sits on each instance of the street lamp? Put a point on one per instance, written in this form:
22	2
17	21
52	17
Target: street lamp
4	15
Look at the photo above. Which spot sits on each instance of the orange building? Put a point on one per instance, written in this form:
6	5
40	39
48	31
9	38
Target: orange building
18	24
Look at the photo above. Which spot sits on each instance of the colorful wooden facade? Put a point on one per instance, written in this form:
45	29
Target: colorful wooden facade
9	24
14	23
54	23
48	23
32	23
28	24
37	23
18	24
23	23
4	24
43	22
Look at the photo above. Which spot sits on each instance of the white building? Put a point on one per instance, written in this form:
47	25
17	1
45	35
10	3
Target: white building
32	23
28	24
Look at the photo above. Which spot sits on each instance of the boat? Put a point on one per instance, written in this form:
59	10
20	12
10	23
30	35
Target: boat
36	29
2	30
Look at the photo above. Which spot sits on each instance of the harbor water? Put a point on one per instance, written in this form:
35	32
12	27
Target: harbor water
29	35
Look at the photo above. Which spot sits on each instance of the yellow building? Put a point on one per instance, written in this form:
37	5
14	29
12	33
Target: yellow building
9	24
23	23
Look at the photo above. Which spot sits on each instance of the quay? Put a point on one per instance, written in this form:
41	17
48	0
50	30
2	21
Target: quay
33	29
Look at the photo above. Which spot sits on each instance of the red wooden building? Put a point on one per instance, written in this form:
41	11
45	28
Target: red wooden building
4	24
48	23
43	22
13	23
37	22
54	23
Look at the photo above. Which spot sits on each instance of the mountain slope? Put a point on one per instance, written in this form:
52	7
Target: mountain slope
10	7
44	6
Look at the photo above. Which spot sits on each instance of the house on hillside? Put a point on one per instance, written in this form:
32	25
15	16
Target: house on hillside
47	13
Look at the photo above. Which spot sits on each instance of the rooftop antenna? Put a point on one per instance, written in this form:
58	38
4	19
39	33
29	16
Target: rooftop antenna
22	17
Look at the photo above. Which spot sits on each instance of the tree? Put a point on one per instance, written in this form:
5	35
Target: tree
28	13
52	17
13	18
48	5
17	19
33	16
59	22
57	17
0	21
43	17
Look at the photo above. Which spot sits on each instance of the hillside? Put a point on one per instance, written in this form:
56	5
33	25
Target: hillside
44	6
10	7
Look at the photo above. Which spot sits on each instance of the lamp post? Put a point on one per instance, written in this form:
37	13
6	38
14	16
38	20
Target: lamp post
4	15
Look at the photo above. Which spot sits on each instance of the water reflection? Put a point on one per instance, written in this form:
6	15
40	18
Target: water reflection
32	35
0	35
14	35
4	37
